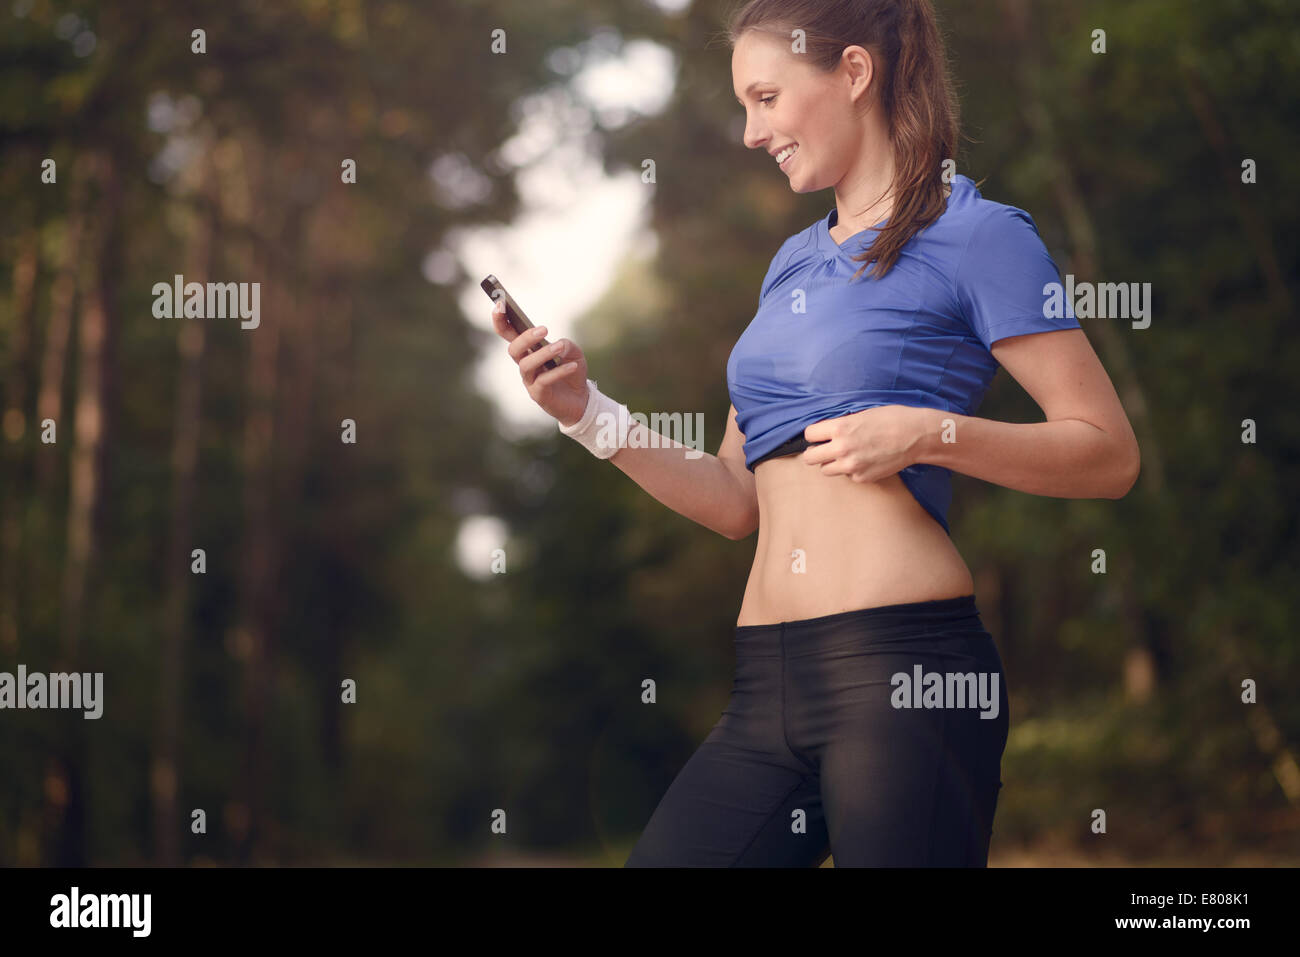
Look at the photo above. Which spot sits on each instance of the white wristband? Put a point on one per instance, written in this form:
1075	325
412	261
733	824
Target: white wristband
602	430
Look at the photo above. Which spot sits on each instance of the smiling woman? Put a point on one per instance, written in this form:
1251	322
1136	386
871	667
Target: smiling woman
821	122
853	390
855	581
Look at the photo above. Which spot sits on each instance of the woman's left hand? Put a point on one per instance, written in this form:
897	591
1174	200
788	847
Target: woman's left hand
869	445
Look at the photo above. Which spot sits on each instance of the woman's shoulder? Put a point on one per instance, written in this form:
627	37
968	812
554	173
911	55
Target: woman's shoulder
969	211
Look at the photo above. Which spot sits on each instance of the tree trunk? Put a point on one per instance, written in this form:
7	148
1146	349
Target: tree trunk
261	549
191	347
63	297
17	439
90	437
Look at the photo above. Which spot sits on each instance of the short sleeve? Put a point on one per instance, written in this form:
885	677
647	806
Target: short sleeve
1001	279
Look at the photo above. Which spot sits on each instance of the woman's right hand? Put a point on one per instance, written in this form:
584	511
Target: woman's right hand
562	392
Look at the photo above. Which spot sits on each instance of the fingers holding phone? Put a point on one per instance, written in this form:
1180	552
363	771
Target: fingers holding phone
501	325
555	374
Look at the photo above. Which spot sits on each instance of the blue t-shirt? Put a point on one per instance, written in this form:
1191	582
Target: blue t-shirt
821	347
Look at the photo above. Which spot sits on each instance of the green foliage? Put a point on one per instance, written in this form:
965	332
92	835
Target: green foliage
523	691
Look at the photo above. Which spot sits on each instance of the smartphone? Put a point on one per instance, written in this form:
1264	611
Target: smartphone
514	315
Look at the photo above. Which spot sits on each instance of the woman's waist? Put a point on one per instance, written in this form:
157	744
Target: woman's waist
824	549
798	503
791	591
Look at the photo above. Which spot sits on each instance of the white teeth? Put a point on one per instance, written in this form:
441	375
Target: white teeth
786	153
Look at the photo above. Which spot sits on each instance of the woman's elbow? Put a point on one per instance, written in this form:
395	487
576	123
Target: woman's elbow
744	527
1130	465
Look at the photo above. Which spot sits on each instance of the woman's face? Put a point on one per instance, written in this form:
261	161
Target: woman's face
789	102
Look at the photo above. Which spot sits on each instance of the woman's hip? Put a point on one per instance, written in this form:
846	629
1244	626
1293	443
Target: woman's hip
864	667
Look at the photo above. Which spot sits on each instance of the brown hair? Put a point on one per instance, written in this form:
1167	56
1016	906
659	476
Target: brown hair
917	93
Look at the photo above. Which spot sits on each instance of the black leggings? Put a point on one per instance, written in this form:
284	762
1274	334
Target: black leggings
813	757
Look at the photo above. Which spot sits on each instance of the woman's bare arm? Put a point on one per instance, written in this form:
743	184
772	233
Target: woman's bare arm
715	491
1085	449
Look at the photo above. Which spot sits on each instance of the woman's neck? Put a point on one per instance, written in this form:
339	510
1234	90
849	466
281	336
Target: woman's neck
864	197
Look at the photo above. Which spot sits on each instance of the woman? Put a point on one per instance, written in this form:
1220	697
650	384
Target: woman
868	715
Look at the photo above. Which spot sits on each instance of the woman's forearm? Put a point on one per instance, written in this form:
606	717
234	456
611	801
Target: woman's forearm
1065	458
699	486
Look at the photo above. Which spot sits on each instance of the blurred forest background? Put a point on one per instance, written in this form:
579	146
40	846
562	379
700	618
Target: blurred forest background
328	561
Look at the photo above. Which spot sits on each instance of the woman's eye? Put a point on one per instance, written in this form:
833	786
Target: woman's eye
767	99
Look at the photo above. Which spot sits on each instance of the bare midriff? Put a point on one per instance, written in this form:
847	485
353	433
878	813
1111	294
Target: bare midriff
828	544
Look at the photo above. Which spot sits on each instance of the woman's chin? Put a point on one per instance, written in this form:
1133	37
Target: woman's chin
800	182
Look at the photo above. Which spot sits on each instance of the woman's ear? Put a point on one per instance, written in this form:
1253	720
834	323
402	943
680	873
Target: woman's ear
860	67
